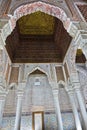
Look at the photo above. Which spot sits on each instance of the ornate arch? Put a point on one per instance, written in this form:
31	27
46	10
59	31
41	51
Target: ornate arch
39	6
40	69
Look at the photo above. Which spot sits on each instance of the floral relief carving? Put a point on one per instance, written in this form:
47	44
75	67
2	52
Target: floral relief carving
39	6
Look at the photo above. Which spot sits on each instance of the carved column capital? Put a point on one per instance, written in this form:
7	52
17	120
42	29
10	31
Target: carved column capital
74	81
69	86
54	85
55	92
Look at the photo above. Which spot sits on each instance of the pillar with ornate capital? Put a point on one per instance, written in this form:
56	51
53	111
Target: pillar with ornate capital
18	110
57	108
81	104
70	92
76	86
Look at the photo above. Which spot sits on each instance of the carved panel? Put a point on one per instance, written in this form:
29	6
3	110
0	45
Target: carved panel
7	72
66	71
14	74
59	73
39	6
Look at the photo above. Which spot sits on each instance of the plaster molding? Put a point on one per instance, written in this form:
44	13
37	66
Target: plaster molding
61	82
55	92
6	31
38	68
72	29
13	85
45	68
69	86
54	85
20	89
76	27
40	6
3	93
79	40
81	70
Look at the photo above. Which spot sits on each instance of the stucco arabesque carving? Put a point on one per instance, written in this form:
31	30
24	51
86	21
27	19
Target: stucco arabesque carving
79	37
82	72
69	86
31	8
78	40
83	43
5	31
3	91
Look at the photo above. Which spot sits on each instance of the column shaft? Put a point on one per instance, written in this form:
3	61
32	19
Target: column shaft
82	107
58	112
18	112
75	112
2	103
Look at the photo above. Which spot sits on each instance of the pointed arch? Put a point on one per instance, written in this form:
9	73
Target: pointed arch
41	70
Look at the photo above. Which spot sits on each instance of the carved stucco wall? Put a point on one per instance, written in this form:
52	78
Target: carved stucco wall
36	95
83	82
63	97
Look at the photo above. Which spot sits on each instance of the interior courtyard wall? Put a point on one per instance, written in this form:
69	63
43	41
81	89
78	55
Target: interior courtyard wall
6	33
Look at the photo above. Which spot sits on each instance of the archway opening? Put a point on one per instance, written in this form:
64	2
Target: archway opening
38	38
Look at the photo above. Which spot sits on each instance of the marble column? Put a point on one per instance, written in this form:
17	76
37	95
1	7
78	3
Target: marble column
74	79
18	110
81	105
57	108
2	104
74	109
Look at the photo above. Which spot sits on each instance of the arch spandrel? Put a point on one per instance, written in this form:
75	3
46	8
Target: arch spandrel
41	69
39	6
60	3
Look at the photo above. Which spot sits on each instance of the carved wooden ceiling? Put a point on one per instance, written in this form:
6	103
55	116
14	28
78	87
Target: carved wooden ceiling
38	38
37	23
